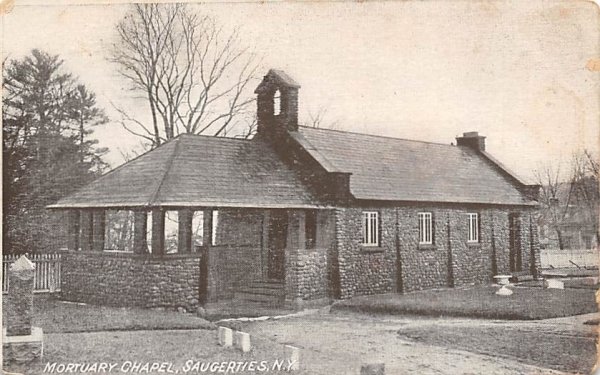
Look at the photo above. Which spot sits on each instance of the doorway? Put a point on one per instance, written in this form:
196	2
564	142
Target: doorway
514	235
277	241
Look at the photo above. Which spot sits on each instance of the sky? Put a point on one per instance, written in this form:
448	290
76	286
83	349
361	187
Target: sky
520	73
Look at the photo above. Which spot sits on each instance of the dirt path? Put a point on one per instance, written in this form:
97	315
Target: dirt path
339	344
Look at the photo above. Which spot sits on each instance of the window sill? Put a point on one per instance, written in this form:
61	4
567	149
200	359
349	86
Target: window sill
427	247
473	244
371	249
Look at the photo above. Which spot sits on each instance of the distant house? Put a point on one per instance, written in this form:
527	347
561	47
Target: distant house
569	219
300	216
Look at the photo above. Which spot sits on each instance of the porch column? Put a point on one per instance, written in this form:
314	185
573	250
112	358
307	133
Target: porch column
73	230
140	227
158	231
207	228
86	230
208	284
184	243
99	224
294	247
264	251
296	230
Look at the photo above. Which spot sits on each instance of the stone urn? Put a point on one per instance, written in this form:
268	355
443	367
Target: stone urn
502	279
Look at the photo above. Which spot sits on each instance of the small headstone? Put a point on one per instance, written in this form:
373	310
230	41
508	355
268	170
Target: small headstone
242	341
225	337
292	356
373	369
504	291
554	284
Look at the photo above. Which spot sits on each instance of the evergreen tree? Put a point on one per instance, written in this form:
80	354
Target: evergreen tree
47	153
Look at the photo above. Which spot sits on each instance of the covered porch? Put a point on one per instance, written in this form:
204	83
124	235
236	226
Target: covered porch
200	255
194	221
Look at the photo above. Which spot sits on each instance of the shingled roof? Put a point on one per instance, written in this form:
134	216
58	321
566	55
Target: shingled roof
384	168
194	170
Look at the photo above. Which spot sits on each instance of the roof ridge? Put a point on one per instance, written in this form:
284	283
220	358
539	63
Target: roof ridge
375	135
168	165
212	137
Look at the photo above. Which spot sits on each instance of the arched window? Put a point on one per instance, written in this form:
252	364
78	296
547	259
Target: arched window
277	103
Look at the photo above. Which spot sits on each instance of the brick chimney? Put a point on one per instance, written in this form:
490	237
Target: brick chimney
473	140
277	103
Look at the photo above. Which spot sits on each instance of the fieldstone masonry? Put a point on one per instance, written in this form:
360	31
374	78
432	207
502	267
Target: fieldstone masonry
401	264
125	280
20	298
337	266
21	342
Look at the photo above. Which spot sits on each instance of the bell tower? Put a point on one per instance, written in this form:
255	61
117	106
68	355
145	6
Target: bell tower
277	103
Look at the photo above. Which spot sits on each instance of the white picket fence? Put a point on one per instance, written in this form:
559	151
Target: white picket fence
562	258
47	272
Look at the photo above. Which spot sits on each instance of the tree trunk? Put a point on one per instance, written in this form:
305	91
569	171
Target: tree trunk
561	245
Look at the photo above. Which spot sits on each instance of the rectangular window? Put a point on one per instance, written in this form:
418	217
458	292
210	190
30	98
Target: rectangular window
370	228
425	228
215	225
310	228
473	227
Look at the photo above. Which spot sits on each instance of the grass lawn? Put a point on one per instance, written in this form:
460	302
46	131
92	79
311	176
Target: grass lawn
478	302
54	316
174	347
569	353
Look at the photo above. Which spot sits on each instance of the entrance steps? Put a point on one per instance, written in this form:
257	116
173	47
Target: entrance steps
262	292
521	276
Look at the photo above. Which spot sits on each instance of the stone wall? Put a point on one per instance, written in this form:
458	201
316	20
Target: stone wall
127	280
339	265
401	263
309	271
365	270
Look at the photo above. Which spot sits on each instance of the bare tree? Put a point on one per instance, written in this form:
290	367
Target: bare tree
584	186
318	119
193	74
553	202
571	199
249	128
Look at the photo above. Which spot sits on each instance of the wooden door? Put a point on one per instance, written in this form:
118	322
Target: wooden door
278	227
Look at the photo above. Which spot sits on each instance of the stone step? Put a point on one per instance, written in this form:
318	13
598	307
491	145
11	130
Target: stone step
266	284
521	278
259	298
261	290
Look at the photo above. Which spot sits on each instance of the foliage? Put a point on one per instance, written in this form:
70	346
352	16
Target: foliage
47	153
570	204
193	74
478	302
119	230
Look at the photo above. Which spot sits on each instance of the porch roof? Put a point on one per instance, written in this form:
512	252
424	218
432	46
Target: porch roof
198	171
